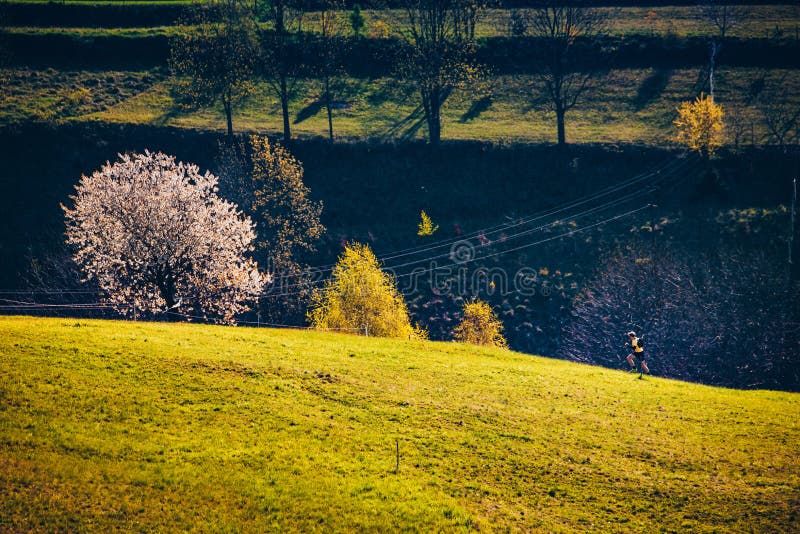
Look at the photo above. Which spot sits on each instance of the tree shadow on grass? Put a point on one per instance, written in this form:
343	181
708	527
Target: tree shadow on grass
477	107
407	127
651	88
309	111
179	106
701	84
379	94
174	111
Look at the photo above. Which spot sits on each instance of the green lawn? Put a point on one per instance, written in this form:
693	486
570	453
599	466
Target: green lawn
104	2
680	21
91	33
631	106
764	21
142	426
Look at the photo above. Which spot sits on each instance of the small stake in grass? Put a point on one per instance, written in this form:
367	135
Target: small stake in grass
397	456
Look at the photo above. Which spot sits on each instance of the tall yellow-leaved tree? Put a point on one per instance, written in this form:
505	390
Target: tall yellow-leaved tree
361	298
700	125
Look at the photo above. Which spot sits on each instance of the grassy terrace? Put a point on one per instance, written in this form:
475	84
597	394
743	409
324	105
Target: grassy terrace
680	21
107	2
135	426
770	21
89	33
629	106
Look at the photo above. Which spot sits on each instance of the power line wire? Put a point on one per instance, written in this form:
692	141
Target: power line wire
661	175
676	165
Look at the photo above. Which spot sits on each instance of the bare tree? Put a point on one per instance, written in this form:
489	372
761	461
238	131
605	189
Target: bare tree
780	113
562	66
214	62
280	48
781	119
467	16
154	236
332	25
654	296
722	16
725	318
440	54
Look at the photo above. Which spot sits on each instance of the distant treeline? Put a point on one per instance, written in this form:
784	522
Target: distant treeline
378	57
136	15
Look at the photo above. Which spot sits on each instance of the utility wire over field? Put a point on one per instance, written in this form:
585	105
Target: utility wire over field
635	189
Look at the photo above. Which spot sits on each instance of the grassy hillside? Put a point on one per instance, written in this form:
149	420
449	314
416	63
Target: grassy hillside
763	21
140	426
629	106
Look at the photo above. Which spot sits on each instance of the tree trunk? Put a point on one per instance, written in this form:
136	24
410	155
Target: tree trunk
229	119
434	118
562	137
226	103
328	104
287	128
166	287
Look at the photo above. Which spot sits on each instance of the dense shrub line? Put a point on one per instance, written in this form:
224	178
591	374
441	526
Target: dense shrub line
378	57
465	179
136	15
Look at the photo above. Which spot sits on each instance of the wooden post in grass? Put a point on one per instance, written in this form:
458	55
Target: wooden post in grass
397	456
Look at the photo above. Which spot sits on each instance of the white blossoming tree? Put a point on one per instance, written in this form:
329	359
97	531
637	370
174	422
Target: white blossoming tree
156	237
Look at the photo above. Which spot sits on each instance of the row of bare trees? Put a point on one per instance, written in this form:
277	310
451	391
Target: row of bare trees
226	51
219	59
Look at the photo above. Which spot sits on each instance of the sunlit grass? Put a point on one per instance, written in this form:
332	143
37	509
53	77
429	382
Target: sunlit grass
622	108
763	21
627	106
90	33
136	426
679	21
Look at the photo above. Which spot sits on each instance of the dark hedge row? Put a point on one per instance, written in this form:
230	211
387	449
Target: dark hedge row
462	180
123	15
373	57
133	15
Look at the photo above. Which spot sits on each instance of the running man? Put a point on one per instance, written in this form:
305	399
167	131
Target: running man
638	354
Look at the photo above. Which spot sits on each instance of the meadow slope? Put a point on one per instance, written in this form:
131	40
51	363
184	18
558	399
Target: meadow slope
143	426
629	106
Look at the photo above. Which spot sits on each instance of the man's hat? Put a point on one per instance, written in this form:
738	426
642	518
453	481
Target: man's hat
632	333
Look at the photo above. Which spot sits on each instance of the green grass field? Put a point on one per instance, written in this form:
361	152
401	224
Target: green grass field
763	21
679	21
165	427
630	106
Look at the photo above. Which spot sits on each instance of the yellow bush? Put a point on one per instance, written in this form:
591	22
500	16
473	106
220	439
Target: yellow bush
426	226
360	297
480	326
700	125
380	30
